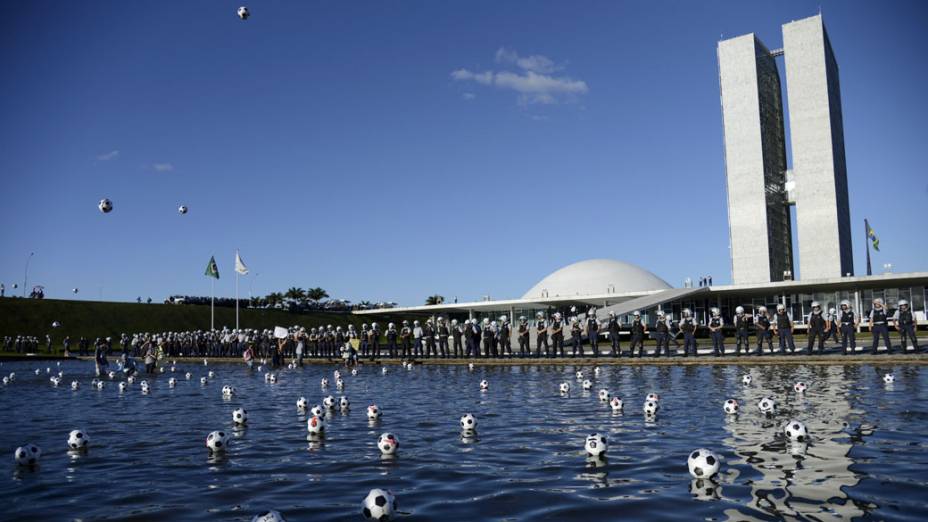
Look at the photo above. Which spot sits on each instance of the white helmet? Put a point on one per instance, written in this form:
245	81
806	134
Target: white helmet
454	322
611	314
539	315
762	309
466	321
739	309
557	315
714	310
815	304
503	318
832	310
636	313
781	306
415	323
390	325
687	312
522	318
486	320
846	303
878	301
660	313
903	302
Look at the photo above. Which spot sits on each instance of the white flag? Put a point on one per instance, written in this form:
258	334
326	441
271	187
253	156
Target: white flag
239	265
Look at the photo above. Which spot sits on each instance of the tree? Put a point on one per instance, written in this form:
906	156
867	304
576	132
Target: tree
274	298
295	293
435	299
316	294
365	305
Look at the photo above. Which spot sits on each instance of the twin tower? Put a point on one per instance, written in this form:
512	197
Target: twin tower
760	186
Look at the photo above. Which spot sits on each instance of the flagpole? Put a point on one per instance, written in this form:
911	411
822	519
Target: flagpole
867	241
212	304
236	299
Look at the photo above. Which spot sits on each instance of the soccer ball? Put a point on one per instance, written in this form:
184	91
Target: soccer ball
470	366
172	382
329	402
211	374
653	397
603	395
6	380
243	13
378	505
188	376
340	383
596	370
616	404
56	324
889	378
130	379
273	378
354	371
373	412
145	386
484	385
75	385
336	374
204	380
596	445
77	439
796	431
317	411
27	455
228	391
315	425
730	406
587	384
800	387
111	375
766	405
468	422
344	403
269	516
100	385
703	463
122	387
388	443
324	383
565	387
182	209
650	408
383	370
105	206
239	416
217	441
746	380
302	403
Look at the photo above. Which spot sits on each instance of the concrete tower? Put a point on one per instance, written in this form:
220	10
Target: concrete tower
817	142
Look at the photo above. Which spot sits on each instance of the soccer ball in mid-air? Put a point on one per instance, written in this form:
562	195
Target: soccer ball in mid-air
77	440
730	406
388	443
703	463
182	209
27	455
217	441
105	206
379	505
243	13
596	445
468	422
796	431
240	416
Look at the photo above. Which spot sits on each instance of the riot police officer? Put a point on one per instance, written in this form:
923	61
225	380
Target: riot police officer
688	327
392	335
817	326
505	336
592	331
576	332
456	333
557	335
541	335
406	339
523	337
715	332
783	327
443	334
741	331
374	341
365	338
487	338
832	318
764	333
639	330
417	339
849	322
469	343
428	337
477	334
662	333
905	324
613	329
878	326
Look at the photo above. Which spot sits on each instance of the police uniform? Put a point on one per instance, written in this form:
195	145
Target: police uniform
443	334
662	334
638	331
523	338
613	328
832	332
392	334
592	332
762	324
905	323
741	333
575	334
428	333
487	340
374	343
784	328
541	337
456	333
505	338
878	328
557	337
848	320
406	339
688	327
715	331
817	325
417	332
364	340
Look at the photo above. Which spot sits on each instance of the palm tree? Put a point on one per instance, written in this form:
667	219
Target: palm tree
364	305
316	294
295	293
435	299
274	298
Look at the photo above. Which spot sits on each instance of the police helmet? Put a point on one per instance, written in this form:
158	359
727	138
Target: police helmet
454	322
391	325
687	312
845	303
660	313
878	301
503	318
539	315
714	310
405	323
373	325
903	302
486	320
636	313
611	314
522	318
815	304
739	309
557	315
781	307
762	309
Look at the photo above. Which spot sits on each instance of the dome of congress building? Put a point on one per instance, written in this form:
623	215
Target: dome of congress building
596	277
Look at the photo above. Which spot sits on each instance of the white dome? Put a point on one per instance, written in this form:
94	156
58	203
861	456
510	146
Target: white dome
596	277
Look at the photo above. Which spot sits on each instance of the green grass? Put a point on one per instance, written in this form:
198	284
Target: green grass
99	319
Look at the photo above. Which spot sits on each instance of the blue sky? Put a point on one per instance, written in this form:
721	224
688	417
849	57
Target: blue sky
357	146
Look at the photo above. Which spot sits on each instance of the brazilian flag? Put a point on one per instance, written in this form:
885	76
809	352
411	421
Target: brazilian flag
212	270
872	235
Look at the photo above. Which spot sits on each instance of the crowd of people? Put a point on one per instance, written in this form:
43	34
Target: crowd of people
291	305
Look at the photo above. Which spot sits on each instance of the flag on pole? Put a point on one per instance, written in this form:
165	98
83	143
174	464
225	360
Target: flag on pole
240	265
872	235
212	270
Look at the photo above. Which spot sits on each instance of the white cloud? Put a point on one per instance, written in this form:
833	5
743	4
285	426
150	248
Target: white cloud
113	154
468	96
534	83
162	167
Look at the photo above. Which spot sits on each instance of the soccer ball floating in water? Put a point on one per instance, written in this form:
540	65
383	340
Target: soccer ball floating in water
766	405
604	395
315	425
373	412
731	406
269	516
746	380
344	403
100	385
203	380
329	402
468	422
243	13
388	443
703	463
800	387
27	455
228	391
172	382
240	416
653	397
889	378
317	411
796	431
596	445
484	385
579	375
302	403
78	440
616	404
122	387
217	441
587	384
565	387
650	408
105	206
182	209
324	382
75	385
379	505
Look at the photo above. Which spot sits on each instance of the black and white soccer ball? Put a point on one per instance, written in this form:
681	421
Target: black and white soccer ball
388	443
228	390
302	404
243	13
703	463
100	385
145	387
565	387
730	406
484	385
269	516
379	505
315	425
317	411
105	206
468	422
579	375
75	385
800	387
217	441
204	380
27	455
172	382
122	387
653	397
604	395
651	407
240	416
324	383
746	379
78	440
329	402
889	378
344	403
182	209
56	324
596	445
796	431
373	412
587	384
767	405
616	404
